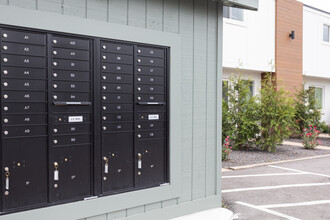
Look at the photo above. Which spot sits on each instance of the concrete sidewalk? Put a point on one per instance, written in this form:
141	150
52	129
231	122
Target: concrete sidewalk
212	214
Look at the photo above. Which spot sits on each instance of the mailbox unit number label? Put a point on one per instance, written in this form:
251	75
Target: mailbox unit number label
153	117
76	119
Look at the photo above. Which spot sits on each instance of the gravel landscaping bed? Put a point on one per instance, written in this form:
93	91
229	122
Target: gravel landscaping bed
324	141
284	152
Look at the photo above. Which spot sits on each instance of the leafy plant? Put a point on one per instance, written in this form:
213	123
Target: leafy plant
310	137
226	149
306	111
240	114
276	114
324	128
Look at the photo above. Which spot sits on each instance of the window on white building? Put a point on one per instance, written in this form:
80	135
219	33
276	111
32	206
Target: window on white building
318	94
326	33
233	13
250	83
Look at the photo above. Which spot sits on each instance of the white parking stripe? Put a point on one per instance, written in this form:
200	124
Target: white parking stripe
261	175
319	202
275	187
268	211
289	169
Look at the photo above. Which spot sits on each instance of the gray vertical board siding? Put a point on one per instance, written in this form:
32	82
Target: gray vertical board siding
153	206
137	13
29	4
135	211
186	30
97	10
211	101
98	217
199	99
170	202
118	11
50	6
75	8
171	16
116	215
4	2
154	13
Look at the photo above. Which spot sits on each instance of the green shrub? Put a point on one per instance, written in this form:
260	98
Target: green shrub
324	128
310	137
306	111
240	114
276	114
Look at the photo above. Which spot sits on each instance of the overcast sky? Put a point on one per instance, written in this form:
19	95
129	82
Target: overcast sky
320	4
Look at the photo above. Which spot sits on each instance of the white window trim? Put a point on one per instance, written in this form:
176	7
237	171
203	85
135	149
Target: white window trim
326	43
323	92
236	22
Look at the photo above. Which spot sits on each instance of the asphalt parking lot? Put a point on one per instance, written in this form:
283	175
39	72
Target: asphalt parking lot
295	190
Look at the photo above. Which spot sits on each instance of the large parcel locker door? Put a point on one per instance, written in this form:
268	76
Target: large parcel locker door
71	111
24	122
117	117
150	116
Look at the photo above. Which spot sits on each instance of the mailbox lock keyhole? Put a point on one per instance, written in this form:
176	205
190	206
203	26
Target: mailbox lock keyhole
106	165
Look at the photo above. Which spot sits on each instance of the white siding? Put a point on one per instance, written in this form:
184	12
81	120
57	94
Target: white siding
251	43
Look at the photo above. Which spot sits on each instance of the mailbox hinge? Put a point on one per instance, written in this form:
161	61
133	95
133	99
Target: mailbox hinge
92	197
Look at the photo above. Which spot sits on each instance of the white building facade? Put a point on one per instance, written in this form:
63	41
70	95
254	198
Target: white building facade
249	42
316	56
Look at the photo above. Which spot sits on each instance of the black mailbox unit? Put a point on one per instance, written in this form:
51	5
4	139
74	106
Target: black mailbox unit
81	117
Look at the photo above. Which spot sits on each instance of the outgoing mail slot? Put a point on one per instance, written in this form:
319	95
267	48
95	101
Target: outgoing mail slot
113	117
150	125
71	86
116	48
70	65
117	149
24	96
117	107
150	89
117	98
23	49
117	78
27	163
150	52
24	131
23	61
23	73
71	75
20	84
117	88
74	118
152	172
71	97
150	80
25	107
151	116
150	134
73	43
117	68
23	37
71	129
148	61
117	58
150	98
74	177
70	54
24	119
113	127
71	139
146	70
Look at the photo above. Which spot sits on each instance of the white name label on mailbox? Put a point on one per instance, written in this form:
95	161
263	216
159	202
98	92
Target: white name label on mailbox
76	119
153	117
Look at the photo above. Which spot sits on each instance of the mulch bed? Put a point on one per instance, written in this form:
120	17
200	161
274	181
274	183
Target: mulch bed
284	152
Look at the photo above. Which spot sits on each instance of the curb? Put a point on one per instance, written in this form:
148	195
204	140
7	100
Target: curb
301	145
211	214
275	162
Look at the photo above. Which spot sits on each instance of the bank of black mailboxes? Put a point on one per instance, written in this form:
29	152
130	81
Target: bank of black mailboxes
80	117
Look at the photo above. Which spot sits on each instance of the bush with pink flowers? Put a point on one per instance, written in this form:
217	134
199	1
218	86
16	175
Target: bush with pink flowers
310	137
226	149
